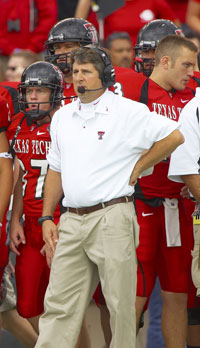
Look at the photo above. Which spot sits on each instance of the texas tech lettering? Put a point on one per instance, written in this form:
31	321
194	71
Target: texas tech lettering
38	147
170	111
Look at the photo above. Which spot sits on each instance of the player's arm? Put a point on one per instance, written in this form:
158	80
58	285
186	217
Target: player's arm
82	8
6	175
52	195
160	150
16	231
193	183
192	15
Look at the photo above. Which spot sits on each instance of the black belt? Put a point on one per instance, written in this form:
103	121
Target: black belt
87	210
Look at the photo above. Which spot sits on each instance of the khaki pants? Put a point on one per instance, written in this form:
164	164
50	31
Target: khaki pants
97	245
196	259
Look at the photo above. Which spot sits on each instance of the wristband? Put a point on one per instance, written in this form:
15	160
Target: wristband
1	224
44	218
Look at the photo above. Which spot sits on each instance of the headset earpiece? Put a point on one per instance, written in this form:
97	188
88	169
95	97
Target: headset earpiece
108	75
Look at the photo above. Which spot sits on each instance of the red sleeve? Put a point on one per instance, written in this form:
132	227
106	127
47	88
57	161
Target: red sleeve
4	114
47	17
9	92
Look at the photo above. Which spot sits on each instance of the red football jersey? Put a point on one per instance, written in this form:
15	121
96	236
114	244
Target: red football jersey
168	104
69	93
5	114
194	81
31	147
128	83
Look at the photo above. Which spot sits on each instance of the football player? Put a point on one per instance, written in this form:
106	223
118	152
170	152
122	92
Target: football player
40	95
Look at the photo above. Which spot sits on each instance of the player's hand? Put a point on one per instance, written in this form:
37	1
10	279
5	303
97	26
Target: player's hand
16	236
185	192
46	251
50	234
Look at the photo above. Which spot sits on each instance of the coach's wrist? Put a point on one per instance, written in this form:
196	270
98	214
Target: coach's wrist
44	218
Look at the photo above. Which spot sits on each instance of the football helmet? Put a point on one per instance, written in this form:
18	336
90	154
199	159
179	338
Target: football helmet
75	30
41	74
148	39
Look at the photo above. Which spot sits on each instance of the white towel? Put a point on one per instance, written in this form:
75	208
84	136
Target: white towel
172	224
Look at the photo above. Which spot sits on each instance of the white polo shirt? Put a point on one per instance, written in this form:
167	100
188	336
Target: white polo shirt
185	159
95	146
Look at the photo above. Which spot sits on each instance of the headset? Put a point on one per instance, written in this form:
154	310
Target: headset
108	75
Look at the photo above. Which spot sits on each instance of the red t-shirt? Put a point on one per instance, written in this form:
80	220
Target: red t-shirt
168	104
179	7
31	147
134	15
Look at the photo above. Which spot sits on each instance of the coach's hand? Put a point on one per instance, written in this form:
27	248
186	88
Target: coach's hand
46	251
50	234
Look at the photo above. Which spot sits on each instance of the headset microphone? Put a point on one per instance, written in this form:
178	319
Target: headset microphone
82	89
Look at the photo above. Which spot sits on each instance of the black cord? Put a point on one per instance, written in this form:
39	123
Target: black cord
16	134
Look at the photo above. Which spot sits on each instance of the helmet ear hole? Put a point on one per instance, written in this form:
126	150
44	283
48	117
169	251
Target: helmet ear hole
37	75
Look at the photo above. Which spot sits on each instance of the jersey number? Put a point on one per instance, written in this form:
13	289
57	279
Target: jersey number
118	89
42	165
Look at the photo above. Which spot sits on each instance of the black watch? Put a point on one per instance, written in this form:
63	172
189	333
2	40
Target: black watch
44	218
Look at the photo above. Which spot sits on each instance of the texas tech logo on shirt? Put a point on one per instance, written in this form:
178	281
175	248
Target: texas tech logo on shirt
100	135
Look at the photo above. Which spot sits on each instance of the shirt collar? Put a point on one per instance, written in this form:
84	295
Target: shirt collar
103	104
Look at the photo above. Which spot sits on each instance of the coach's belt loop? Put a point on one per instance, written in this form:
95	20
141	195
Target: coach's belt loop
103	204
126	198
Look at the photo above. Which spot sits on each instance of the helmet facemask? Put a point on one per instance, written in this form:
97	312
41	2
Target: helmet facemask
40	74
37	114
61	60
144	64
